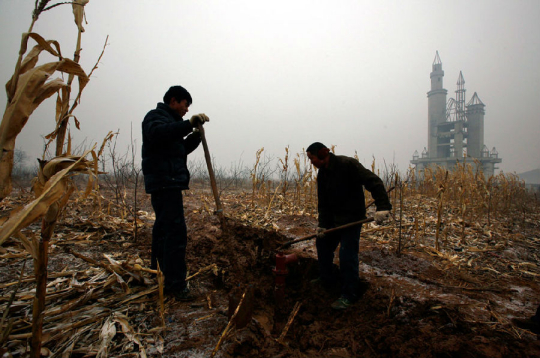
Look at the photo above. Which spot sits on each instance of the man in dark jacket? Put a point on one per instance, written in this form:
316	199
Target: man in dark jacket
167	141
340	187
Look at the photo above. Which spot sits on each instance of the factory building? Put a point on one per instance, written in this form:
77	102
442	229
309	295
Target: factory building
455	129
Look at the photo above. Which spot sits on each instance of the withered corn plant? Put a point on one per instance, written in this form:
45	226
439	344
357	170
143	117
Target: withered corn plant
440	194
285	173
254	179
311	185
303	180
29	86
64	110
474	198
53	188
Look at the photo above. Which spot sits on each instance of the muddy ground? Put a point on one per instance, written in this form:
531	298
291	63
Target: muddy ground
414	305
455	302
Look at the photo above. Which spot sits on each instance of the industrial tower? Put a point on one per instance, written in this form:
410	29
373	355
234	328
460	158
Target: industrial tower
455	129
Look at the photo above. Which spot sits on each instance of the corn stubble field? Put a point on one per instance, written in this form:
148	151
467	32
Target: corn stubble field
444	278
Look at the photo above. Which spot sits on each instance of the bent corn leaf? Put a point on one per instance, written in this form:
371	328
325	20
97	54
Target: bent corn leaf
78	12
33	88
49	191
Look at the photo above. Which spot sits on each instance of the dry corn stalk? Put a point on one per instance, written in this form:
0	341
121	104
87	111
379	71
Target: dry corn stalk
285	172
254	179
63	111
229	325
32	89
293	314
52	189
51	185
161	286
30	86
440	195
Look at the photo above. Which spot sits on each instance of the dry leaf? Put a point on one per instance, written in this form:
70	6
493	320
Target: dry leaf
106	335
78	12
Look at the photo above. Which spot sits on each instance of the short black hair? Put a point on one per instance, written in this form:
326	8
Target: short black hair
314	148
179	93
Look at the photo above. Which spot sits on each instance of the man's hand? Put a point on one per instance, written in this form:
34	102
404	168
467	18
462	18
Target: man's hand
199	118
320	232
381	216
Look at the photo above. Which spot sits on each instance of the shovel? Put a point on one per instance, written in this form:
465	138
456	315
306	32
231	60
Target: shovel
312	236
219	208
329	231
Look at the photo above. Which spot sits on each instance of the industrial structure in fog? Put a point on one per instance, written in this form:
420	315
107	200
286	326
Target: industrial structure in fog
455	129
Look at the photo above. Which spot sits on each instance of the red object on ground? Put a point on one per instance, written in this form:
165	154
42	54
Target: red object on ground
281	272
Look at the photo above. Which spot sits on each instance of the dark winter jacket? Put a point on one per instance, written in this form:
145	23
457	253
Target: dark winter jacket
165	150
341	192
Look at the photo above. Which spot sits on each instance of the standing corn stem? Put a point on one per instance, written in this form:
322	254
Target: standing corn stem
161	286
285	172
40	271
400	215
440	194
254	179
271	201
66	94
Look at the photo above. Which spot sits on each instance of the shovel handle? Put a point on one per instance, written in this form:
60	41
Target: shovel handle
211	173
329	231
305	238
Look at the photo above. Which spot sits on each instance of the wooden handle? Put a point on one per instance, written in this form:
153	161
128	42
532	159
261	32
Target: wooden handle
329	231
211	173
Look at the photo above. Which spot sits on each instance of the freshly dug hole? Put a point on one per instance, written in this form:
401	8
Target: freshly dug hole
246	256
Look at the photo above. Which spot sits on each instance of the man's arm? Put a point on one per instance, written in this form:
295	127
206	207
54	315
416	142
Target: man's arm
192	141
158	127
325	214
375	186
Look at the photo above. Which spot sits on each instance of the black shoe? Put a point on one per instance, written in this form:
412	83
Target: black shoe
341	303
316	282
184	295
363	286
329	287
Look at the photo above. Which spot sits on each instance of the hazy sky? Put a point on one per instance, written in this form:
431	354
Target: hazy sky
354	74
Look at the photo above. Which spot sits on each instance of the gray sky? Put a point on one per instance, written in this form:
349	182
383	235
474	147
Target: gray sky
271	74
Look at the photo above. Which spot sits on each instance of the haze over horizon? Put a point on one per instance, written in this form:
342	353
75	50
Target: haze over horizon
354	74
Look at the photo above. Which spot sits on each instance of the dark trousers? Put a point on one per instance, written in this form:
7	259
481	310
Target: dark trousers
169	238
348	259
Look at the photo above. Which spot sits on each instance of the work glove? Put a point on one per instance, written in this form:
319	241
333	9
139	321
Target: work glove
320	232
381	216
198	118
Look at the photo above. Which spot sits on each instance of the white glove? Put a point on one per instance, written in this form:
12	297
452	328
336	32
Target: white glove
320	232
199	118
381	216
